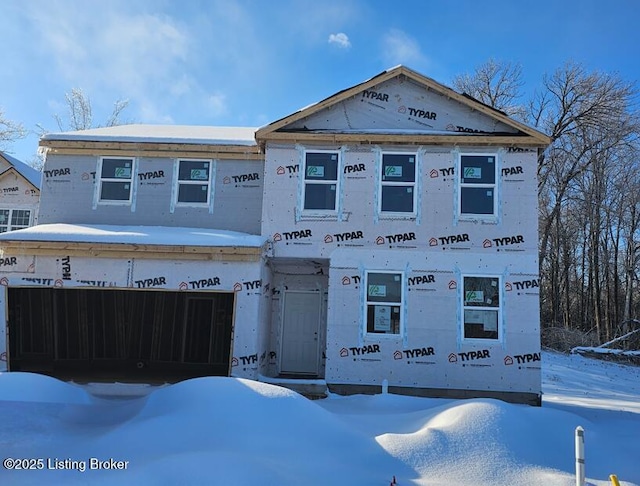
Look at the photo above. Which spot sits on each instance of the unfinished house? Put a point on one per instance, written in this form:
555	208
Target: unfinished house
403	219
383	237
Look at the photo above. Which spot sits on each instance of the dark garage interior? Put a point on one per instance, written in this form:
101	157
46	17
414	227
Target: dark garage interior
120	335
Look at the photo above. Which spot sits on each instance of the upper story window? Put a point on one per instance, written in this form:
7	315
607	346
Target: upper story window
116	180
385	297
478	176
482	307
13	219
193	182
398	184
320	191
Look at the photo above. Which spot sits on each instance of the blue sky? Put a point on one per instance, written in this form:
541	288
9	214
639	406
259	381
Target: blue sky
250	62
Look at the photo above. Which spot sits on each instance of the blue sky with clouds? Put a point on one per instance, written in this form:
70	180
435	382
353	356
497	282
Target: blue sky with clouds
250	62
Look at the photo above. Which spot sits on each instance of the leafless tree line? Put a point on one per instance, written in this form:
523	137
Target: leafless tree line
589	190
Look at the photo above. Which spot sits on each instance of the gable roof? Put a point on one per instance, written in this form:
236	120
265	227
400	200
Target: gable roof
27	172
305	124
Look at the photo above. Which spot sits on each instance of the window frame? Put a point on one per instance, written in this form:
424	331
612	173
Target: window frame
100	180
10	225
382	183
401	304
499	309
464	185
178	183
304	181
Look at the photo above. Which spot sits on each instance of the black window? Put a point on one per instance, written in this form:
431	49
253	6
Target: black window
397	183
194	181
478	184
116	177
320	181
384	302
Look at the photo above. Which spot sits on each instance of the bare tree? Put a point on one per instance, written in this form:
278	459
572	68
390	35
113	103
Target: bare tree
494	83
80	113
79	117
10	131
583	113
588	181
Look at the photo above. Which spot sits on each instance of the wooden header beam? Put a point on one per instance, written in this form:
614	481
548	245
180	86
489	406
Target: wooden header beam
414	139
169	150
128	251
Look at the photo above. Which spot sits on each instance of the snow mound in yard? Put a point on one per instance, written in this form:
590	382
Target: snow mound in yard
481	433
32	387
247	433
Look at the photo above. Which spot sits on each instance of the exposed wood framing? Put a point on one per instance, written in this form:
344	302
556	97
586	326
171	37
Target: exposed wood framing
147	149
368	138
128	251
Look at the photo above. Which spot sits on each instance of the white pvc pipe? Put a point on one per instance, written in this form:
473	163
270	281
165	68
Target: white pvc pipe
580	479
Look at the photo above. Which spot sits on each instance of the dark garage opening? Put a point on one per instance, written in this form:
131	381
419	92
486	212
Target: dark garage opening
120	335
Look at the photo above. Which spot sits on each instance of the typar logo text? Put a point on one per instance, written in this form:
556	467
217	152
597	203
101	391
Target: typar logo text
522	358
243	180
449	240
469	356
344	237
362	352
504	241
202	283
398	238
56	173
293	235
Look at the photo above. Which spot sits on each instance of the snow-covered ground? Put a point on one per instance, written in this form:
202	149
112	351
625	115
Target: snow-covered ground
225	431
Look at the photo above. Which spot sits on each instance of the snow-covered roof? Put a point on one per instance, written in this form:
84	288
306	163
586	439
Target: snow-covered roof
202	135
138	235
32	175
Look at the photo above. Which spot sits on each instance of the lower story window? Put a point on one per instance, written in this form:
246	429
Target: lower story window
482	310
384	295
13	219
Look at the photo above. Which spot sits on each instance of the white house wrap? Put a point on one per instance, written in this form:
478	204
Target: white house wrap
388	232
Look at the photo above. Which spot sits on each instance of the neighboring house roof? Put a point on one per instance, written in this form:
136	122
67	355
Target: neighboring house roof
29	173
295	126
184	134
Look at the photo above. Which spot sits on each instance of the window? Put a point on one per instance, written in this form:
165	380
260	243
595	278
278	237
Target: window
482	313
478	184
194	181
116	180
384	302
13	219
320	181
397	183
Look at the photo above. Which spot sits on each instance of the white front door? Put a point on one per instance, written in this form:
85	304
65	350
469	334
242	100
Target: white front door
300	327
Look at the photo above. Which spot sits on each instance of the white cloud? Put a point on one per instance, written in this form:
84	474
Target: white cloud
113	52
217	105
341	39
400	48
